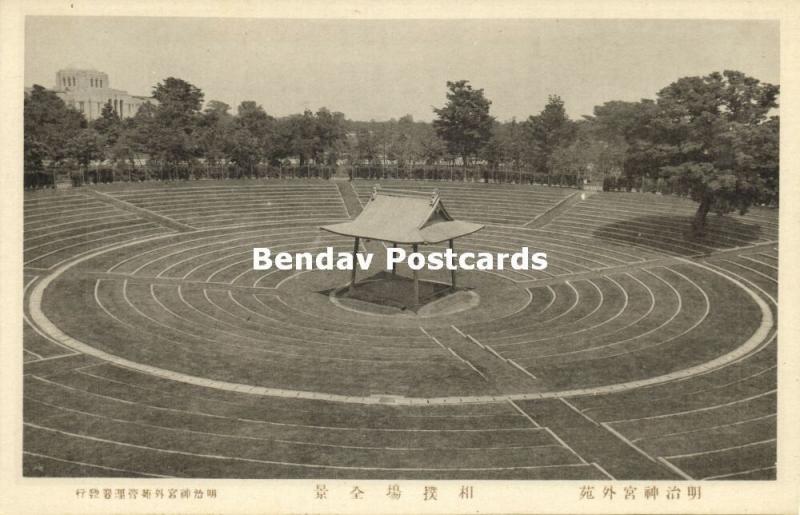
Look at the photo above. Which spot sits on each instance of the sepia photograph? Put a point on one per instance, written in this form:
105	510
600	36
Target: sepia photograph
437	251
645	350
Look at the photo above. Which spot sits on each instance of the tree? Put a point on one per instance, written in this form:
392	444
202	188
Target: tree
546	132
251	137
407	142
214	131
124	148
432	148
244	149
714	135
493	152
511	137
169	130
627	129
110	135
143	124
299	135
217	109
384	135
108	120
366	148
48	125
320	137
401	144
85	147
330	136
628	121
464	122
252	117
178	98
581	156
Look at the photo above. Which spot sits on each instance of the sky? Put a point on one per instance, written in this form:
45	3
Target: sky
382	69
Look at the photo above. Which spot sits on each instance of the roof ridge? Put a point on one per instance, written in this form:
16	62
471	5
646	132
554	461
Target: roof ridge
404	217
405	193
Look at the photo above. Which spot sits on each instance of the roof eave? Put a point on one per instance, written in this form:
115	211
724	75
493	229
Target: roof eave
404	240
407	241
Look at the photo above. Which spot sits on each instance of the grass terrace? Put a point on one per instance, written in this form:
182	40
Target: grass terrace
152	348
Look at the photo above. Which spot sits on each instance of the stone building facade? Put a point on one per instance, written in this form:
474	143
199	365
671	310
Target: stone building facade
89	90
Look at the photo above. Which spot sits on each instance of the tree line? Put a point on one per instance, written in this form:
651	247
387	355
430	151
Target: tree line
713	138
176	129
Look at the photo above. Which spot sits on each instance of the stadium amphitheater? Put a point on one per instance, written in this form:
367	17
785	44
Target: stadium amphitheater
152	348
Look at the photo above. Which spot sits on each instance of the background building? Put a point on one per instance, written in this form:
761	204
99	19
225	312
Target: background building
89	90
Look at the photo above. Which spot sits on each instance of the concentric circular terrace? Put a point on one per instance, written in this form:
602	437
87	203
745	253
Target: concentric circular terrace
152	287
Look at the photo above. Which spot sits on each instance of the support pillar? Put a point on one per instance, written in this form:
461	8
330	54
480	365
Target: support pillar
452	273
355	260
416	281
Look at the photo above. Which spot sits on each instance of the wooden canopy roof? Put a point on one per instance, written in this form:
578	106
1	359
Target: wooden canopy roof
404	217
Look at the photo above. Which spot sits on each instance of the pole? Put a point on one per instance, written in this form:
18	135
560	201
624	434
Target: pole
416	281
452	272
353	273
